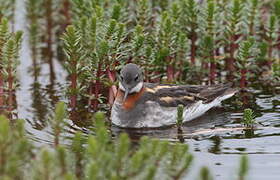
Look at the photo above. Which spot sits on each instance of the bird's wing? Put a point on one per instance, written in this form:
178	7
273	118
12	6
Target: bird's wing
173	95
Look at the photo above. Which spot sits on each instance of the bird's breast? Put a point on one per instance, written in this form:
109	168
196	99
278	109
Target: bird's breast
131	99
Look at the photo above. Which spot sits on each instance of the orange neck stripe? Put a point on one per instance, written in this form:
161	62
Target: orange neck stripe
131	100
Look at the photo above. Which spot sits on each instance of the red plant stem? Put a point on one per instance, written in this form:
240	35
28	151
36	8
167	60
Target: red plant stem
113	89
73	98
66	13
270	49
204	65
130	59
10	89
278	40
243	78
73	78
212	72
146	72
35	65
78	165
158	79
170	73
56	140
97	85
179	72
193	47
1	89
230	60
49	20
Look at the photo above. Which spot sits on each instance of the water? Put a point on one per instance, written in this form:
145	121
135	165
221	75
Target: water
216	139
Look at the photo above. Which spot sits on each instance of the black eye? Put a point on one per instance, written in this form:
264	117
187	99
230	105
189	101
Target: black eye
136	78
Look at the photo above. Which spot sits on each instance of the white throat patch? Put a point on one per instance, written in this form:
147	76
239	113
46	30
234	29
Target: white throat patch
121	86
137	88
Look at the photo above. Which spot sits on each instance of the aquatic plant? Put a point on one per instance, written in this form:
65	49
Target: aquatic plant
209	39
10	44
243	167
33	16
162	41
270	39
205	174
248	118
233	32
252	9
180	111
65	11
46	27
15	149
7	10
276	12
72	47
48	14
95	156
276	70
4	35
58	121
10	63
245	56
189	22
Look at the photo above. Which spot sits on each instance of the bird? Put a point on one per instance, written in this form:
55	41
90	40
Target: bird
139	104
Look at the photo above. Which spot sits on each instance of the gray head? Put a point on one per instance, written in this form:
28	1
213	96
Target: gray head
131	79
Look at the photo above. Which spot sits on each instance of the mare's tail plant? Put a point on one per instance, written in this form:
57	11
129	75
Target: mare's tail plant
10	64
208	41
65	11
252	8
248	118
175	160
189	22
10	44
72	47
7	10
205	174
4	35
245	54
180	111
49	19
271	39
243	168
58	121
33	16
233	33
276	12
16	151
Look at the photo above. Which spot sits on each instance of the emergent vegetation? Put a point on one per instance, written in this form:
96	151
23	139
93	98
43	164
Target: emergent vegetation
92	156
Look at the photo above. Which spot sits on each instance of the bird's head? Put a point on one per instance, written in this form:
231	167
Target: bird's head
130	79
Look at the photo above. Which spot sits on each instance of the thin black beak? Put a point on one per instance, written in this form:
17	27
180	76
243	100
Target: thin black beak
125	94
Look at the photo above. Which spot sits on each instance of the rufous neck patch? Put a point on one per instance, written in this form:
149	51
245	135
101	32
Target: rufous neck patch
131	100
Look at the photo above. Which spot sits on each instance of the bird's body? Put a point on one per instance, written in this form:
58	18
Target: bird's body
155	105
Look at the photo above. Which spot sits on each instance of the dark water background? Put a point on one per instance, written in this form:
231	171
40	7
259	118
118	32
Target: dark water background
216	139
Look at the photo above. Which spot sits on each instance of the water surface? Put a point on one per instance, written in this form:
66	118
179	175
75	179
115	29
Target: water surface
216	139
